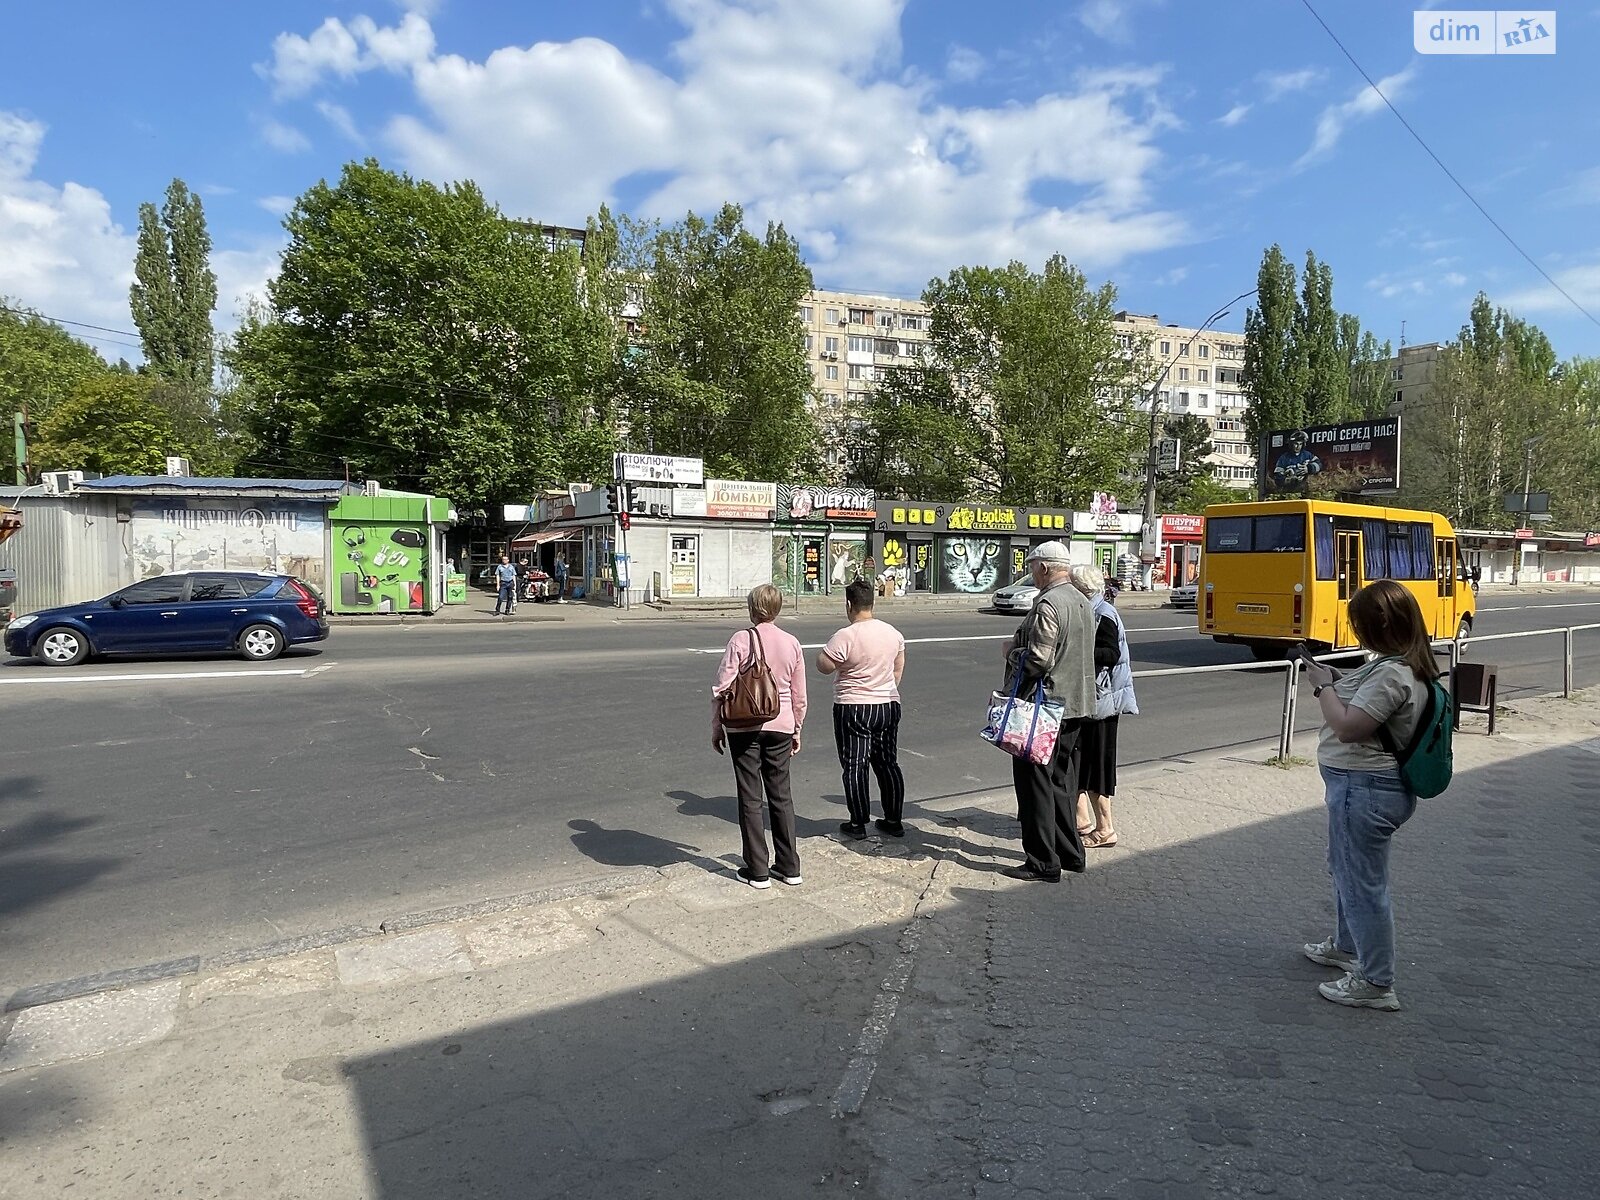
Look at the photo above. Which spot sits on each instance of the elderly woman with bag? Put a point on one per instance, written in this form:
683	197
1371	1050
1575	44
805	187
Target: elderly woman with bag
1097	742
758	705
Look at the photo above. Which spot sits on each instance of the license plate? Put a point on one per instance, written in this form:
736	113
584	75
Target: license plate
1252	608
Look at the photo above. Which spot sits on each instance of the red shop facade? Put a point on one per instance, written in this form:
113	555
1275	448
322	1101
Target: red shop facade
1181	539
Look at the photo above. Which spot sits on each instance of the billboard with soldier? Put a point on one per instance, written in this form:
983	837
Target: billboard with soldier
1354	458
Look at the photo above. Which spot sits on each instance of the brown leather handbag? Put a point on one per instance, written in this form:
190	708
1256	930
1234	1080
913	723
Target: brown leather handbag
751	700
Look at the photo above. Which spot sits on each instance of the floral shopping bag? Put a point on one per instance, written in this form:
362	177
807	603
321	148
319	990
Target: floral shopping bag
1022	727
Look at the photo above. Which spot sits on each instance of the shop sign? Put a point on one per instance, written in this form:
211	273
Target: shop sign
1591	540
1103	508
913	515
740	499
812	563
1176	526
659	468
803	502
689	502
1524	533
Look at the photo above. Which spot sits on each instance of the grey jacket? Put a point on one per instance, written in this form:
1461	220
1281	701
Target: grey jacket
1055	642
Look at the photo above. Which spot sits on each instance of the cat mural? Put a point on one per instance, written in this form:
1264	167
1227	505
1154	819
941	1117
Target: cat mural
972	564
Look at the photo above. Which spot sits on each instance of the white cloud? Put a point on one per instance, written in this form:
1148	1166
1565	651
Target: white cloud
335	49
1583	189
1454	279
68	258
284	138
1581	282
801	112
963	64
340	118
1365	103
1277	84
1109	19
1234	115
276	205
1169	278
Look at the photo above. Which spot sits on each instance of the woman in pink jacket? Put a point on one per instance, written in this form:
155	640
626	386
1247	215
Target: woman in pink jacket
761	755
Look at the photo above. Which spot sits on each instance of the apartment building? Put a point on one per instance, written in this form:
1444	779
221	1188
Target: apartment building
852	339
1202	380
1411	374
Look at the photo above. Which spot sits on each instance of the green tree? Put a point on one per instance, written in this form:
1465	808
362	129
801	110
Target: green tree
417	335
721	372
174	290
41	364
1324	373
1202	491
1026	394
1273	376
107	424
1195	447
1366	365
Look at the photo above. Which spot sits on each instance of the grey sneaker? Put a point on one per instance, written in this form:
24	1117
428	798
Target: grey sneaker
1329	955
1355	992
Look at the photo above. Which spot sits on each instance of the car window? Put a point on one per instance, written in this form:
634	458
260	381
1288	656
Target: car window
216	587
167	589
254	585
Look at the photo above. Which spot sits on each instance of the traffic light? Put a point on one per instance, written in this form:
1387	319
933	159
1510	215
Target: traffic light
614	497
625	521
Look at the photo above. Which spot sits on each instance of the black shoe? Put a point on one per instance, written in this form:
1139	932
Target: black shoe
892	828
759	882
1031	873
854	830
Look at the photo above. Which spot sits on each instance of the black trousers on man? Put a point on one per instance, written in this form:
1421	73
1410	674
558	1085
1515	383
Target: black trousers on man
1047	806
867	735
761	760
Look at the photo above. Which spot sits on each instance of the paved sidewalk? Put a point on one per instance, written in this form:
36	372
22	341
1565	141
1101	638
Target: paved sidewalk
907	1023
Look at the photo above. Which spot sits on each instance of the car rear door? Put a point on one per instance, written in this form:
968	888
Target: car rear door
212	614
142	618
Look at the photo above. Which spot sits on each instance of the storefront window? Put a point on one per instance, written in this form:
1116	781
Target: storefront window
972	565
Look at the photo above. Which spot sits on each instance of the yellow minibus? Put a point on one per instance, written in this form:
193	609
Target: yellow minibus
1280	572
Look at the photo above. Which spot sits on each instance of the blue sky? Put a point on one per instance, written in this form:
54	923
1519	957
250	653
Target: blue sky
1161	144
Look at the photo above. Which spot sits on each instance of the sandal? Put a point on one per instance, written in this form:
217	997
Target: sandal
1101	841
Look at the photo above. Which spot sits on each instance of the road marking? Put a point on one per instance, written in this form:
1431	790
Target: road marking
1529	607
149	675
319	670
980	637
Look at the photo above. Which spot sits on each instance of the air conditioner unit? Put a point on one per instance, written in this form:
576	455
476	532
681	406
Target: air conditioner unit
177	467
371	488
832	356
60	483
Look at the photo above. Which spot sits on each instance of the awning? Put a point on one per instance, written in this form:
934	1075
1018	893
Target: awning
528	541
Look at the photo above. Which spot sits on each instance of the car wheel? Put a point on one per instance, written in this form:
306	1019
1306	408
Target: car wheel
1463	632
261	643
61	647
1269	651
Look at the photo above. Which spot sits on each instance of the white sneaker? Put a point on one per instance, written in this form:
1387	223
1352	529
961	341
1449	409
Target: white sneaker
1355	992
791	880
744	876
1328	954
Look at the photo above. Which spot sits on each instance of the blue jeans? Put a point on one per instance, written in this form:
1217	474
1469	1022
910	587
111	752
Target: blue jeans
1364	810
506	598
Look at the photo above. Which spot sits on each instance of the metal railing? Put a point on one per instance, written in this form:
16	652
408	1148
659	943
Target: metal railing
1291	671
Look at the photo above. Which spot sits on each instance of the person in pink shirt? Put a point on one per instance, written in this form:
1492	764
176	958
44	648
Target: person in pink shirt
867	656
761	755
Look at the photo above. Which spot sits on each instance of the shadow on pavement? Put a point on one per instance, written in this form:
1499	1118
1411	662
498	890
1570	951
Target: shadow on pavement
630	848
33	871
1149	1029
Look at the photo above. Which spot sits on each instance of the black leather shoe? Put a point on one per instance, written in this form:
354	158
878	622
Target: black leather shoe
892	828
855	831
1031	873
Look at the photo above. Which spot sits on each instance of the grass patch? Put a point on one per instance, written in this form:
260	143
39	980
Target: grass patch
1290	763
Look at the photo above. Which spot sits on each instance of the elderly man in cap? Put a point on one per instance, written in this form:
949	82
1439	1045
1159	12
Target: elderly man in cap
1055	645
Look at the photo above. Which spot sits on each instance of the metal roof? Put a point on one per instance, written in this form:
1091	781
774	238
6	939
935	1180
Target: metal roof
185	485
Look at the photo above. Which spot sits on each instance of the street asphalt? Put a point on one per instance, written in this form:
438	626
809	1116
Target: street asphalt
153	810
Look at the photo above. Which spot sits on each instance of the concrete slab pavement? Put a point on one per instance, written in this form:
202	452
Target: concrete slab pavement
905	1023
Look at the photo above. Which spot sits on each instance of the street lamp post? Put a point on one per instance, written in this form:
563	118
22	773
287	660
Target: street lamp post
1150	535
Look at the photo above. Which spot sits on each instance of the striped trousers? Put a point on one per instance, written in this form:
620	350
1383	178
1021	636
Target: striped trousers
867	736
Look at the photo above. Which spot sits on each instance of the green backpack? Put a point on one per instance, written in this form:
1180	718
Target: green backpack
1427	764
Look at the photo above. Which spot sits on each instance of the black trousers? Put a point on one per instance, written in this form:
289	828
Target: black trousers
1047	806
868	735
761	760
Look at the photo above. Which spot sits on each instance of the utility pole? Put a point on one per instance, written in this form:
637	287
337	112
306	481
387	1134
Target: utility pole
1150	535
1527	506
19	429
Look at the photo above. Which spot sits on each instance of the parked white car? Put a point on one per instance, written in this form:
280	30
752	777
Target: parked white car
1184	596
1017	596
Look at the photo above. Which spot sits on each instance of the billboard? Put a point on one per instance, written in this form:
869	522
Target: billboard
1363	455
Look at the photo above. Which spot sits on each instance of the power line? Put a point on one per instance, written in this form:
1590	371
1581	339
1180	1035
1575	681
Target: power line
1449	174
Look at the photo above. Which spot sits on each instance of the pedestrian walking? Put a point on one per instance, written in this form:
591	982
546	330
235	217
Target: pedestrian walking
505	578
1054	646
1097	741
561	578
1366	795
867	658
761	752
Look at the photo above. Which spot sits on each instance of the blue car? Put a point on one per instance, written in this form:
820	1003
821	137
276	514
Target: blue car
256	615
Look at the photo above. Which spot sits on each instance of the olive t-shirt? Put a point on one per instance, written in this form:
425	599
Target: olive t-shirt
1387	691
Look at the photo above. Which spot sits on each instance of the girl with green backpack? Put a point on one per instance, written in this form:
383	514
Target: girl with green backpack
1385	741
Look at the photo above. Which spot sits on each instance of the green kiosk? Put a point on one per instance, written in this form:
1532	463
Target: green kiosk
388	553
